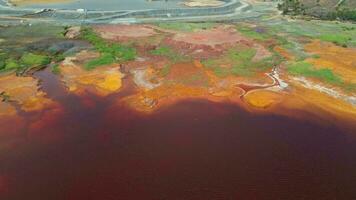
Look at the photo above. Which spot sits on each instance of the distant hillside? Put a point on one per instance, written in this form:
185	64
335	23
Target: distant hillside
326	9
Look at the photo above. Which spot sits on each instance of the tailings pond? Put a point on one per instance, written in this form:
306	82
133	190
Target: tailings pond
88	149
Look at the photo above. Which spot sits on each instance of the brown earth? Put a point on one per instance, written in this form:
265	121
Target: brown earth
206	43
120	32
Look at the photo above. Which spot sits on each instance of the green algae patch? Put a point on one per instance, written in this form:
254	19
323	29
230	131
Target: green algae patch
110	52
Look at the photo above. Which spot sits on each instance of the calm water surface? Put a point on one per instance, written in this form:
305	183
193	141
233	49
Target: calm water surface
111	4
192	150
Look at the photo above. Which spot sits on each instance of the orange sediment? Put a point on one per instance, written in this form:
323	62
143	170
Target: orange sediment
103	81
341	60
25	91
262	98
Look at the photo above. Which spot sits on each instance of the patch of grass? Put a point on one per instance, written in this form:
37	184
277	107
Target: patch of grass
2	60
11	64
241	63
104	59
58	57
56	69
350	87
186	27
31	59
306	69
254	33
338	39
162	51
23	62
221	72
2	65
4	97
43	30
165	71
169	53
244	55
110	53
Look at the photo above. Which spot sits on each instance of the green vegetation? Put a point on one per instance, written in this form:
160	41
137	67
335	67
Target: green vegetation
240	63
31	59
346	14
294	7
306	69
110	53
56	69
37	31
104	59
4	97
162	51
58	57
254	33
269	35
22	63
169	53
323	9
16	55
186	27
326	75
165	71
11	64
337	38
341	34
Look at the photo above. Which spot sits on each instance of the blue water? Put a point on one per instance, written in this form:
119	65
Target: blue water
111	4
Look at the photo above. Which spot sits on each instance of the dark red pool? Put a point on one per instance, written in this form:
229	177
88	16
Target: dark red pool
190	151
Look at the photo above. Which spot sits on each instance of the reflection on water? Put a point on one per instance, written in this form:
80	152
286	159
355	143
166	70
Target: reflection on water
110	4
89	149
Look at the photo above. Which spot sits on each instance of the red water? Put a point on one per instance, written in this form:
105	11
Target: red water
90	150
